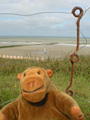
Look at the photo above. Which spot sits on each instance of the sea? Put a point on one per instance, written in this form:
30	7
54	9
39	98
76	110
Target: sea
42	40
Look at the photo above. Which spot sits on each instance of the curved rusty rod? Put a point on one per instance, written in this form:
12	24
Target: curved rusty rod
77	47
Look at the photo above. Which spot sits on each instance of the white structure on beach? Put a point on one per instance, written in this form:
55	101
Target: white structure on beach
45	51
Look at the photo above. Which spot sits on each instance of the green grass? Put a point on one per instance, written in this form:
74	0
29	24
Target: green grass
9	85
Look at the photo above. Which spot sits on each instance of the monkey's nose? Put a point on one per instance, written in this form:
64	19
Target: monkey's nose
31	84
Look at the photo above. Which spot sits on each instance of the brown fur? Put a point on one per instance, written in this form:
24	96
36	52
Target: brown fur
40	100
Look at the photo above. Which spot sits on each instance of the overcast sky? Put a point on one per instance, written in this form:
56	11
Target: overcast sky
43	24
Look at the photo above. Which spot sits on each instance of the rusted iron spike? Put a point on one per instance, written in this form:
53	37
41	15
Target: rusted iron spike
77	47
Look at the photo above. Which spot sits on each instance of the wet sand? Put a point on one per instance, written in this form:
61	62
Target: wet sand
44	51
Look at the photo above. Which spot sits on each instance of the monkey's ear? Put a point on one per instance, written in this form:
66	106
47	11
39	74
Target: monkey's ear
19	76
49	72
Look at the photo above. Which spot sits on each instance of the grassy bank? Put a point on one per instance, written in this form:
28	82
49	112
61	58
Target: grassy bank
9	85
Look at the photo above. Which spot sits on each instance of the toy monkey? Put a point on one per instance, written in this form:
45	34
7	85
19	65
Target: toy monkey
40	100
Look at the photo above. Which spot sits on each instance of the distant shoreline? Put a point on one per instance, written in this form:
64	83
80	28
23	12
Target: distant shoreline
36	44
42	36
52	51
56	47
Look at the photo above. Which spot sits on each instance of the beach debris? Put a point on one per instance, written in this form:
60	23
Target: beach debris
45	51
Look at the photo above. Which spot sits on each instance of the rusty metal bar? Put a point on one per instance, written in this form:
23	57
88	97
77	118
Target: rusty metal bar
77	47
78	23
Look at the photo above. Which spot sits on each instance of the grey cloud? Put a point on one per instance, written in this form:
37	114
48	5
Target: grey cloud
28	6
47	24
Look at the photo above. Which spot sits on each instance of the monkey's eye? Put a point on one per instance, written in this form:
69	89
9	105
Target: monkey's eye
38	72
24	74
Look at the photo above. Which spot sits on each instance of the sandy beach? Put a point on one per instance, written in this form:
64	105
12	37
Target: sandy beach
44	51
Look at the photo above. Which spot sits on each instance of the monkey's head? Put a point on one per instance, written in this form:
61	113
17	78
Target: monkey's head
34	83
